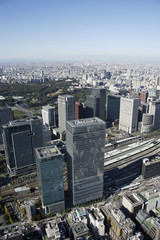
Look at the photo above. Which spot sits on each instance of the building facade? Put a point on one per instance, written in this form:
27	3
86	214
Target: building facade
20	138
120	226
154	109
30	210
6	115
95	103
66	110
49	116
144	96
128	119
85	141
49	163
96	222
112	107
79	111
150	168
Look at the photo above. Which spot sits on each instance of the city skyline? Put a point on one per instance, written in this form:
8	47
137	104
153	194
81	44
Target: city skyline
80	30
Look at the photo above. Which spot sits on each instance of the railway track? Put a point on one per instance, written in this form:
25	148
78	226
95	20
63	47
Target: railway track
147	153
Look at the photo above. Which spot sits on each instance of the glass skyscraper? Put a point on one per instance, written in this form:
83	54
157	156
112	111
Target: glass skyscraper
95	103
49	163
20	138
112	107
6	115
85	140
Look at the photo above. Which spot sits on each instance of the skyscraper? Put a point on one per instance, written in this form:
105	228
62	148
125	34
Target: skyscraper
92	106
128	119
66	110
95	103
6	115
49	116
20	138
50	178
154	109
85	140
112	107
144	96
79	111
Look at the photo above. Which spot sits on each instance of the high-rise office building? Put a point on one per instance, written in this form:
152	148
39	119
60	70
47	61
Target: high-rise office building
154	109
66	110
50	178
112	107
92	106
144	96
6	115
128	119
95	103
20	138
79	111
49	116
147	123
85	140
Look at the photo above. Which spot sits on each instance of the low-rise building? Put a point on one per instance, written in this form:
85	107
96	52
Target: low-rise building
132	202
150	167
151	199
150	225
52	230
77	229
118	225
30	210
11	232
96	222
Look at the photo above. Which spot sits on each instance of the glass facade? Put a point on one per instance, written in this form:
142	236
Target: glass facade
85	156
112	107
50	178
6	115
95	103
20	139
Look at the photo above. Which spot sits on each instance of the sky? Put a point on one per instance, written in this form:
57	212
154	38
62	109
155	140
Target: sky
79	29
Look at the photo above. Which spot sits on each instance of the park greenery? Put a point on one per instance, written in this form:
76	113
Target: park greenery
37	94
18	114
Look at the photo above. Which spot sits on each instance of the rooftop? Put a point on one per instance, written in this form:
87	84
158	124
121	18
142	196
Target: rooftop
10	231
20	122
133	198
47	107
97	214
157	159
65	96
21	189
48	152
85	121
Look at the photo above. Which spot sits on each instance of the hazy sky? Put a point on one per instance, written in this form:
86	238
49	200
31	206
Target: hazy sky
73	29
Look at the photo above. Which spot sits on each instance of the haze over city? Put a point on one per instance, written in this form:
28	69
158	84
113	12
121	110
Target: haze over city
79	120
80	30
